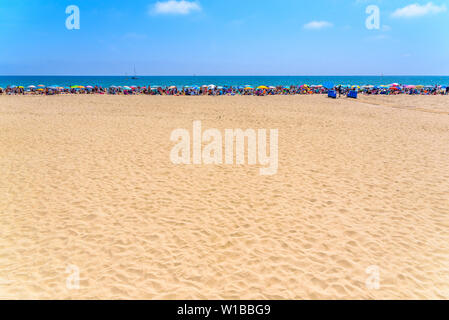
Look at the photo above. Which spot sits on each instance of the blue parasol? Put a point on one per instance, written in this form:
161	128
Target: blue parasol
328	85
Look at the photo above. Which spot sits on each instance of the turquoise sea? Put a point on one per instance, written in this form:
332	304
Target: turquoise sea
179	81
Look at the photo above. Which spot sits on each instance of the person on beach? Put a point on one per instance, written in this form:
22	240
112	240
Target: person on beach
232	91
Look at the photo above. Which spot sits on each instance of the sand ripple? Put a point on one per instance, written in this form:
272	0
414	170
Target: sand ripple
87	181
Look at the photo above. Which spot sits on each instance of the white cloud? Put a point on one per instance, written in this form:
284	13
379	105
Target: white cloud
176	7
316	25
417	10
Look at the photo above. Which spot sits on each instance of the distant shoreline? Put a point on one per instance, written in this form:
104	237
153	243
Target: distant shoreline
235	81
330	89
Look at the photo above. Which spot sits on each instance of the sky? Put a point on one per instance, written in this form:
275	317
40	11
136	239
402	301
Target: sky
232	37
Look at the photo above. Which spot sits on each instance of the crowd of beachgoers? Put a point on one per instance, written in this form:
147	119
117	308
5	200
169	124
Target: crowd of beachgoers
392	89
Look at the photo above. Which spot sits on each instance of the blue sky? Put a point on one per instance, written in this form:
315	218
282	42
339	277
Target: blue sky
232	37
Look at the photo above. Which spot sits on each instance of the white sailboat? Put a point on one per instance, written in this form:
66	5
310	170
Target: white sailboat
135	74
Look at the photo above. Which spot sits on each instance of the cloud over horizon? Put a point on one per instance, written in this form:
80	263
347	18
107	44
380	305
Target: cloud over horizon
316	25
417	10
174	7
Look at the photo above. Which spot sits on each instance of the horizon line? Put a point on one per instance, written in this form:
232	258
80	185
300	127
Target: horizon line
249	75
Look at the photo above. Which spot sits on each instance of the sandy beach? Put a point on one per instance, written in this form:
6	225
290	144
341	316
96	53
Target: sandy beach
87	181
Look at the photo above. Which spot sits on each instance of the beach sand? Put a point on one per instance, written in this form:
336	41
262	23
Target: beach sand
87	181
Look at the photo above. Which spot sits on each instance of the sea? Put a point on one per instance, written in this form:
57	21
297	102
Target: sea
180	81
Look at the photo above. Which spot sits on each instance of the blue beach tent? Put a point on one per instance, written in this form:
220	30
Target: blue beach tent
332	94
352	94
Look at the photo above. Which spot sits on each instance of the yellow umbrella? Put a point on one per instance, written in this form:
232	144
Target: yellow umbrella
262	87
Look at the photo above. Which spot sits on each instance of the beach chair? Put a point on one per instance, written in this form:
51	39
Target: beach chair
332	94
352	94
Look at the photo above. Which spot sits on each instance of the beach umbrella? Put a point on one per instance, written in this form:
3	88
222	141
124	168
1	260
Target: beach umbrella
31	87
271	87
419	87
126	88
89	87
249	88
172	87
41	86
394	85
329	85
211	86
20	87
262	88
